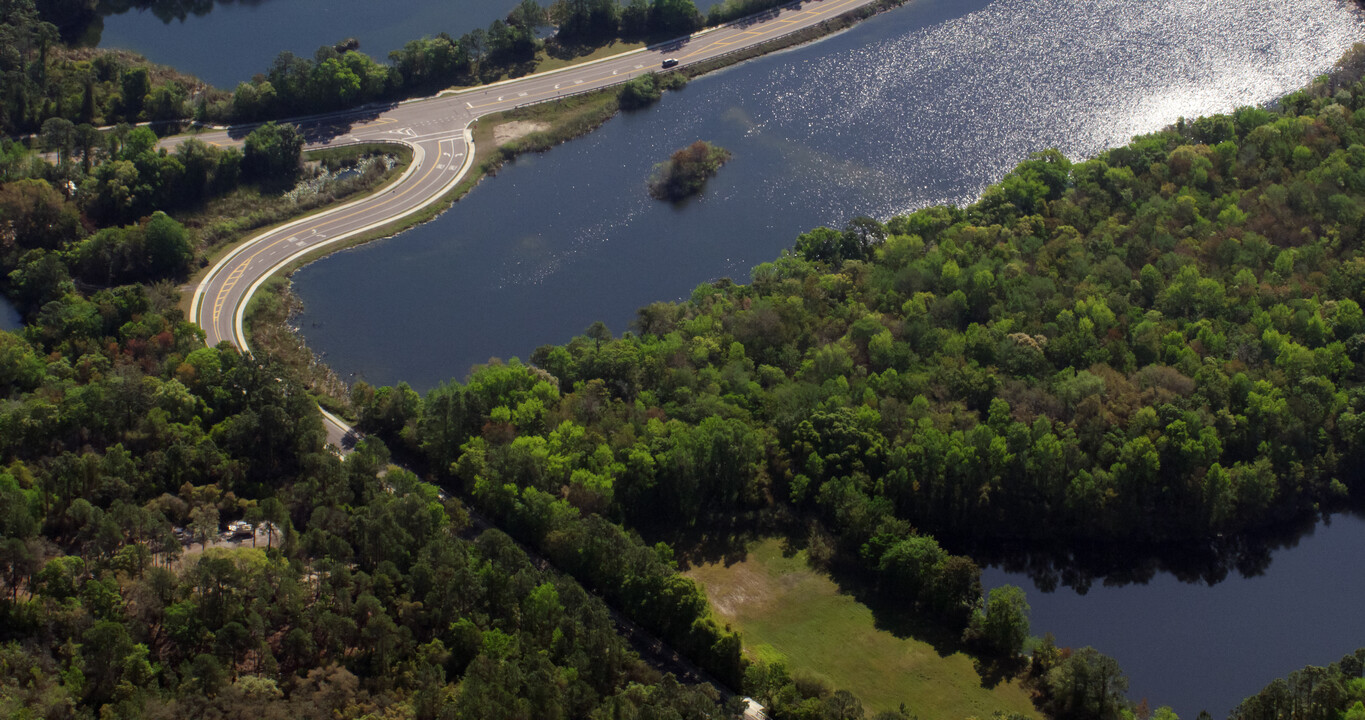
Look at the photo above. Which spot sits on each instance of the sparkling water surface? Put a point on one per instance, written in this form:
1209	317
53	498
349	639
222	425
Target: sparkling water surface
922	105
925	104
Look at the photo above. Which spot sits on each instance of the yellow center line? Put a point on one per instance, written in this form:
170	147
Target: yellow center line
238	271
832	8
228	284
555	91
726	41
491	104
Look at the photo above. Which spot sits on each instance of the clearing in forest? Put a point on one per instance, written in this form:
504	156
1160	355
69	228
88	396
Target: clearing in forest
785	610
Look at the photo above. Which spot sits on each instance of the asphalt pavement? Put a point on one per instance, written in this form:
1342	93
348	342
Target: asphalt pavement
437	130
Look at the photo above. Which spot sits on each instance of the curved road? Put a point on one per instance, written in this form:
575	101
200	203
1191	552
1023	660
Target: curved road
437	131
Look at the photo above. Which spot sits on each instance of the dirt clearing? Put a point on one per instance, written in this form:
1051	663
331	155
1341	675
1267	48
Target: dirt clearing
509	131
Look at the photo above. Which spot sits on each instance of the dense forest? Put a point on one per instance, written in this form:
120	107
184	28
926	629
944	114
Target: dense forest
1335	692
126	447
1157	345
97	216
42	80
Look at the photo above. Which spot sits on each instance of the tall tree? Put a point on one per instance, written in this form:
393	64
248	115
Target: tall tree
272	153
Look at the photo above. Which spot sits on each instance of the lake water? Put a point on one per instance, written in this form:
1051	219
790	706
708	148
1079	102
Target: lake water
224	43
926	104
923	105
232	41
1200	646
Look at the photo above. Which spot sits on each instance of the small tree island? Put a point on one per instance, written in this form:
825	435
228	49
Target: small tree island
686	172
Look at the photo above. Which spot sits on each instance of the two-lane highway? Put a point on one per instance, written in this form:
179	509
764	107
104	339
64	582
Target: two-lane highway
437	164
437	130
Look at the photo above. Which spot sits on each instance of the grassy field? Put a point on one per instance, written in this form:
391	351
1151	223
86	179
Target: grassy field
787	611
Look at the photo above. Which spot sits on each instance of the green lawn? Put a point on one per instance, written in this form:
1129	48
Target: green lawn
786	610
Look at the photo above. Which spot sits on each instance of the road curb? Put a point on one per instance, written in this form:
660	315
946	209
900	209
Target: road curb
523	78
239	313
244	244
342	425
578	66
197	301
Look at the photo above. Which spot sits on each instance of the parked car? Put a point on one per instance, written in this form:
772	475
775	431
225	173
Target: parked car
670	62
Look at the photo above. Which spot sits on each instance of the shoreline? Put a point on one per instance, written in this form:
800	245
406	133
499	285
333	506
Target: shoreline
569	118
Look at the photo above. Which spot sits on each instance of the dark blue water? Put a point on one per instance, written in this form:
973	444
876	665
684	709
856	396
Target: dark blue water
926	104
10	319
923	105
234	40
1199	646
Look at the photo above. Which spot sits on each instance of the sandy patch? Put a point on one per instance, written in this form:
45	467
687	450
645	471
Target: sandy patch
510	131
736	590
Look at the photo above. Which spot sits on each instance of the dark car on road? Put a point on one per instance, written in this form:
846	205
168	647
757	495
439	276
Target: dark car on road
670	62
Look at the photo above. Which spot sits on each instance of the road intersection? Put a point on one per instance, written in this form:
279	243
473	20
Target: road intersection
437	131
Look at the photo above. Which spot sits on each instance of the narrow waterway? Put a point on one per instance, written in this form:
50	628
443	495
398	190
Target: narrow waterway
926	104
1207	643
